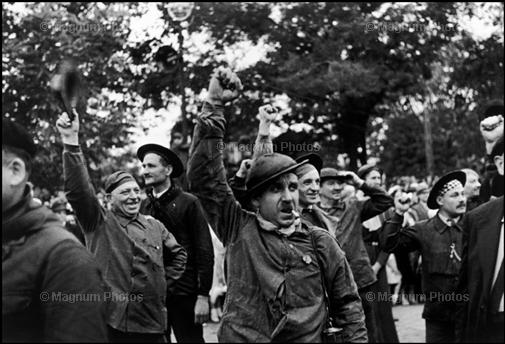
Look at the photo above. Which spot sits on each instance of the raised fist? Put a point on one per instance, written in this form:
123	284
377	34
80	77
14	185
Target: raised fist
491	130
69	130
268	113
245	165
224	86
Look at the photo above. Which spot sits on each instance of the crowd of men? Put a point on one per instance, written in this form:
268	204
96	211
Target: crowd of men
306	245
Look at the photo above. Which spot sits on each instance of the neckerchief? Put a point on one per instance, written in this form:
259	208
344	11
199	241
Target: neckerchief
270	227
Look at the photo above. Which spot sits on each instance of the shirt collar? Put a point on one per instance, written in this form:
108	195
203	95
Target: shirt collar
158	195
442	222
125	221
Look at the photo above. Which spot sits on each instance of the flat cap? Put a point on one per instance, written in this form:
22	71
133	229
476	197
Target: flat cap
116	179
366	169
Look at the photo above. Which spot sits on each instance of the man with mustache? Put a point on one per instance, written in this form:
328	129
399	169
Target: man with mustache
439	240
188	304
139	258
277	267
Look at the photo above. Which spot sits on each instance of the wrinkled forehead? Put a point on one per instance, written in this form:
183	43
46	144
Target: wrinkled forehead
128	186
310	175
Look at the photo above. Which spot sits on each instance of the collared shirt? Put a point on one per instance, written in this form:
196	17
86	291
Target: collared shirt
158	195
499	261
139	258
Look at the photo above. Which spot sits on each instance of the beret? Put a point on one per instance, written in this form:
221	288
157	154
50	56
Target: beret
116	179
14	135
442	184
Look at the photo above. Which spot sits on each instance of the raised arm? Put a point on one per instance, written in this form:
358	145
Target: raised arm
263	144
378	203
206	172
78	188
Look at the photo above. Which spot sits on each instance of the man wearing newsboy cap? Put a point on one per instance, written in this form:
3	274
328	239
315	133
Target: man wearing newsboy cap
275	264
439	239
139	257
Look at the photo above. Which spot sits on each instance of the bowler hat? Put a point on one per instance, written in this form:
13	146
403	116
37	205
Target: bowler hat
166	153
313	159
366	169
439	185
268	167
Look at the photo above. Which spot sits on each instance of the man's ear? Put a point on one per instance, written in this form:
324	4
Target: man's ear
440	200
169	168
108	197
255	202
17	169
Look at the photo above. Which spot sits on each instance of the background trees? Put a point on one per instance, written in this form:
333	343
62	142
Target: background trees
359	76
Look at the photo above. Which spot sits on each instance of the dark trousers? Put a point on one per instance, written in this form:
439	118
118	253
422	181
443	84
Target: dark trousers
181	318
440	331
368	309
116	336
385	325
493	332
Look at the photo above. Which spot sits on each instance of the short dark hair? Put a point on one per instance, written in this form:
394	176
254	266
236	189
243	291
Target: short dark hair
497	148
19	153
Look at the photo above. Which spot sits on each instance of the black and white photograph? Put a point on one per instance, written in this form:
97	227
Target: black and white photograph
215	172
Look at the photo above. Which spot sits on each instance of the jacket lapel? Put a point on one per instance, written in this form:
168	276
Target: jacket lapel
488	232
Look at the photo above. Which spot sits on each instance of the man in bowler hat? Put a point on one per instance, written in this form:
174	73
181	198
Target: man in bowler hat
277	267
183	216
439	240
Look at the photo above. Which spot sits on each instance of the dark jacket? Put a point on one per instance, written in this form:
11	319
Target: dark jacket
183	216
139	258
52	290
481	235
440	269
274	282
349	231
